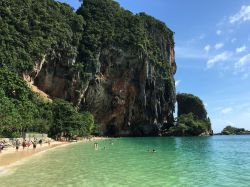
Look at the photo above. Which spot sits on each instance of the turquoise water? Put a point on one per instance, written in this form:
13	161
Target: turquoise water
198	161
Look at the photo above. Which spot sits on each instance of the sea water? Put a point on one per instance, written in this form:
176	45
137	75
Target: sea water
186	161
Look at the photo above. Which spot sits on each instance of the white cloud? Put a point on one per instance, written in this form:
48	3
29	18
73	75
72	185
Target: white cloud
177	83
188	52
218	58
244	76
218	45
207	48
240	64
229	123
241	49
233	40
226	110
241	16
202	36
218	32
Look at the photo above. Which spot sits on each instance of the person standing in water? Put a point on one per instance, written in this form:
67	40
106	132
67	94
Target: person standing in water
96	146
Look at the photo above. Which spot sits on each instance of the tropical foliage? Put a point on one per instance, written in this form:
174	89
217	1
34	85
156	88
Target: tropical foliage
189	125
110	26
232	130
31	29
36	30
192	117
23	111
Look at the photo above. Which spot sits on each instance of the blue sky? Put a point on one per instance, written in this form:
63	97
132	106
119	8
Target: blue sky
212	52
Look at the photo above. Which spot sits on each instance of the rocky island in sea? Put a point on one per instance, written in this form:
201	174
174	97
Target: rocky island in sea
100	70
229	130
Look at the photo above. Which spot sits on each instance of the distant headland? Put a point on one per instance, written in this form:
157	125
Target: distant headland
229	130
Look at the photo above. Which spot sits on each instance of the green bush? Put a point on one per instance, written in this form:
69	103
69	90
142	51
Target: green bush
31	29
68	121
188	125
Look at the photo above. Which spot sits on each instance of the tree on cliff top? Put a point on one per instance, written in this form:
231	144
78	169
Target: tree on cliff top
108	25
31	29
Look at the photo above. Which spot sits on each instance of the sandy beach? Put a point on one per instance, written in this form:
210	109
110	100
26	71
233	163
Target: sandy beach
10	156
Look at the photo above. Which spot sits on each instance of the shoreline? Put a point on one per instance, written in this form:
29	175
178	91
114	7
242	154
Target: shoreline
11	157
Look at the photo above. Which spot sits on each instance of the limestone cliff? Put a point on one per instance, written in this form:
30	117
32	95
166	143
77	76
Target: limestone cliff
104	59
126	80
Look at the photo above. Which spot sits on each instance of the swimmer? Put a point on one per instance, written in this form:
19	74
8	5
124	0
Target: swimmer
153	151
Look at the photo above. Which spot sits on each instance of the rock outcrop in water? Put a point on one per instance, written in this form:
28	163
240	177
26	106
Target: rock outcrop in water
192	117
229	130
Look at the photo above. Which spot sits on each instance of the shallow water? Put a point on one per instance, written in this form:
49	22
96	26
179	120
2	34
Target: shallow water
198	161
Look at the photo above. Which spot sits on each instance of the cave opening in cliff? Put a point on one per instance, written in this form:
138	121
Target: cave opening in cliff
111	130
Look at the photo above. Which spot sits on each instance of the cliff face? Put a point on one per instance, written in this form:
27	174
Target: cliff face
127	96
128	89
106	60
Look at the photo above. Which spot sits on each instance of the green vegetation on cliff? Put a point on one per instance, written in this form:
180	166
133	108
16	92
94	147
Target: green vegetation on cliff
110	26
192	117
41	33
189	125
22	111
232	130
32	29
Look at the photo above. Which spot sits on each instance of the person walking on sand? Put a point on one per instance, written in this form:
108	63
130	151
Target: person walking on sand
40	142
28	144
34	144
17	144
1	147
24	144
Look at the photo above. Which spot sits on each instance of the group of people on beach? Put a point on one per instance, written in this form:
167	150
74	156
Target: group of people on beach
17	143
26	143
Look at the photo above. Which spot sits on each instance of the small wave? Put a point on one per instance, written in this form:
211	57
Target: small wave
2	169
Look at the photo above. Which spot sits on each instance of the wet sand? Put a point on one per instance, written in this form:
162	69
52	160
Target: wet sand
11	156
